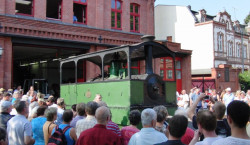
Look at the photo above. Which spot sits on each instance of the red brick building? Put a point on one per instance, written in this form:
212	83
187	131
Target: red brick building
182	66
35	34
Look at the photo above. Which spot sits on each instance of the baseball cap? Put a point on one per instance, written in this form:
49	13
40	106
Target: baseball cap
228	89
51	98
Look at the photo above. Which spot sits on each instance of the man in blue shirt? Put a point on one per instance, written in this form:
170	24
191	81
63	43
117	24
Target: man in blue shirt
194	97
74	18
148	135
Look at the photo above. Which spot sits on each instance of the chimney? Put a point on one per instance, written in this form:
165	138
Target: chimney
169	38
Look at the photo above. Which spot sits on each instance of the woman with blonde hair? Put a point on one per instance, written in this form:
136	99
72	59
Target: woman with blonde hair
223	92
237	95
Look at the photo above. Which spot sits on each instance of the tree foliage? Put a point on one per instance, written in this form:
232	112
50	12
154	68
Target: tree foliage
247	19
244	80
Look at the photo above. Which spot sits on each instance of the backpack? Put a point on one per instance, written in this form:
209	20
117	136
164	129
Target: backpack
58	137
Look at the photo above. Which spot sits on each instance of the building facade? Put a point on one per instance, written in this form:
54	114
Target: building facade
215	41
35	34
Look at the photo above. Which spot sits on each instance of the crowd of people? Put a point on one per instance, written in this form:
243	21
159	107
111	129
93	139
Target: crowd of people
226	96
201	119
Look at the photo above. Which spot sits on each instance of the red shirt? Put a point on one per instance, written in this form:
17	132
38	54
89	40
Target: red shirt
98	135
188	136
127	133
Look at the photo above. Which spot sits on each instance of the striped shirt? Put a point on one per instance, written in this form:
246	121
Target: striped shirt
113	127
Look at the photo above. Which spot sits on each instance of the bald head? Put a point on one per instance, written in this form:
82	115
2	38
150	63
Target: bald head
98	98
102	115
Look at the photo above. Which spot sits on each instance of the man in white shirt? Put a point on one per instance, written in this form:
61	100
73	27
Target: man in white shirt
185	98
148	135
206	121
237	118
19	128
50	102
228	97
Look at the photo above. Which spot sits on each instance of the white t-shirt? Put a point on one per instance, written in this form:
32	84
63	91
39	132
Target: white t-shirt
53	105
232	141
185	97
59	119
208	140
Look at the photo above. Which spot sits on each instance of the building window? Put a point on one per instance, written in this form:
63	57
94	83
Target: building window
178	69
80	9
238	49
167	68
220	41
24	7
227	25
134	18
202	19
245	51
116	13
54	9
230	48
226	74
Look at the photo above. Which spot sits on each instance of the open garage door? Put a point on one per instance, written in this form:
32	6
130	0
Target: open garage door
39	59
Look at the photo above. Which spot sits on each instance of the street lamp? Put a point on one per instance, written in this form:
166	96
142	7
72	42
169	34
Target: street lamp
242	51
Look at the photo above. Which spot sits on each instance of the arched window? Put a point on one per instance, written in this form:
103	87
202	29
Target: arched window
245	51
134	18
220	41
227	25
238	49
116	14
230	48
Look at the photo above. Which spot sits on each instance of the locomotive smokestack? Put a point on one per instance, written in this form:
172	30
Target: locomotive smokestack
146	38
148	52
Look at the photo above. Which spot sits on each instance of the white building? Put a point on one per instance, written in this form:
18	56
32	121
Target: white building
214	39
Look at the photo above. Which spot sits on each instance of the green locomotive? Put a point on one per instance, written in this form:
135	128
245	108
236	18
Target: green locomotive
122	88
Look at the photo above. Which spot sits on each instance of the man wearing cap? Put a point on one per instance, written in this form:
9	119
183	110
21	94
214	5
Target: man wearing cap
5	116
50	102
228	97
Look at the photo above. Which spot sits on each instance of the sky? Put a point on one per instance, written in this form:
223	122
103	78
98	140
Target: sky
238	9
